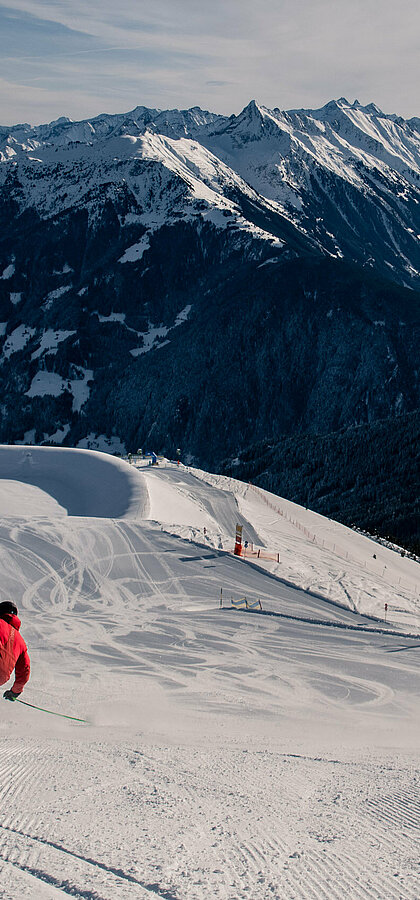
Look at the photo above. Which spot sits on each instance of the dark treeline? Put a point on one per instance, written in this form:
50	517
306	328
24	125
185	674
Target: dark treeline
366	476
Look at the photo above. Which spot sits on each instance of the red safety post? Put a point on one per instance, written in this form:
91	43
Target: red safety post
238	540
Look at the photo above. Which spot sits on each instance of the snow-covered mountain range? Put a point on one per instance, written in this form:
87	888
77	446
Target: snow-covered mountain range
345	179
185	279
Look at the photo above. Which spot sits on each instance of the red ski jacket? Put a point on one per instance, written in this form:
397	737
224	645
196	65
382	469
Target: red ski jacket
13	653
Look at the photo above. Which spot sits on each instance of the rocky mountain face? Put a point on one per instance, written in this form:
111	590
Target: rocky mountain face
183	279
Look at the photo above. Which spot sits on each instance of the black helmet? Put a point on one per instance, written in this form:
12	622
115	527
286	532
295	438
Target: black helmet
8	608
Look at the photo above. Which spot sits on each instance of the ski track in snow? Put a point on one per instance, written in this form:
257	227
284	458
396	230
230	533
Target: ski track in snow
226	755
189	823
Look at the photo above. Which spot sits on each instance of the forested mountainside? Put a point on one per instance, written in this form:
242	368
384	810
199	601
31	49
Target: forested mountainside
367	476
183	279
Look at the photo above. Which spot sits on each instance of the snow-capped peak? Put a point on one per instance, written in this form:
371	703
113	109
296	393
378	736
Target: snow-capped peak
62	120
285	162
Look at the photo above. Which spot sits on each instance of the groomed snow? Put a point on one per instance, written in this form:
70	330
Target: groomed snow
227	754
83	482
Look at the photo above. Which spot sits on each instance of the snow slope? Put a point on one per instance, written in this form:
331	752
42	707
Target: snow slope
321	555
83	482
226	754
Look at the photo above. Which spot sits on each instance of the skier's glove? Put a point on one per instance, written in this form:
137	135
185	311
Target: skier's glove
9	695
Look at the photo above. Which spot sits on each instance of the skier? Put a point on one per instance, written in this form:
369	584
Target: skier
13	651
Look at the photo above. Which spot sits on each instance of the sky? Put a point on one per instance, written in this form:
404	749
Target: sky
79	59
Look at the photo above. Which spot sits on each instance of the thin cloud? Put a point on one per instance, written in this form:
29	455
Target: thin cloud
286	53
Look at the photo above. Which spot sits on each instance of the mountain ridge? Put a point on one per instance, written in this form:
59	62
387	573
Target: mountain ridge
184	279
346	176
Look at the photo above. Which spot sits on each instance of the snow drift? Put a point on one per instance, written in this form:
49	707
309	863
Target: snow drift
83	482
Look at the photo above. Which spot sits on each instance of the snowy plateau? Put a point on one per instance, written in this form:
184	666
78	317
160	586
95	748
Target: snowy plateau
225	752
